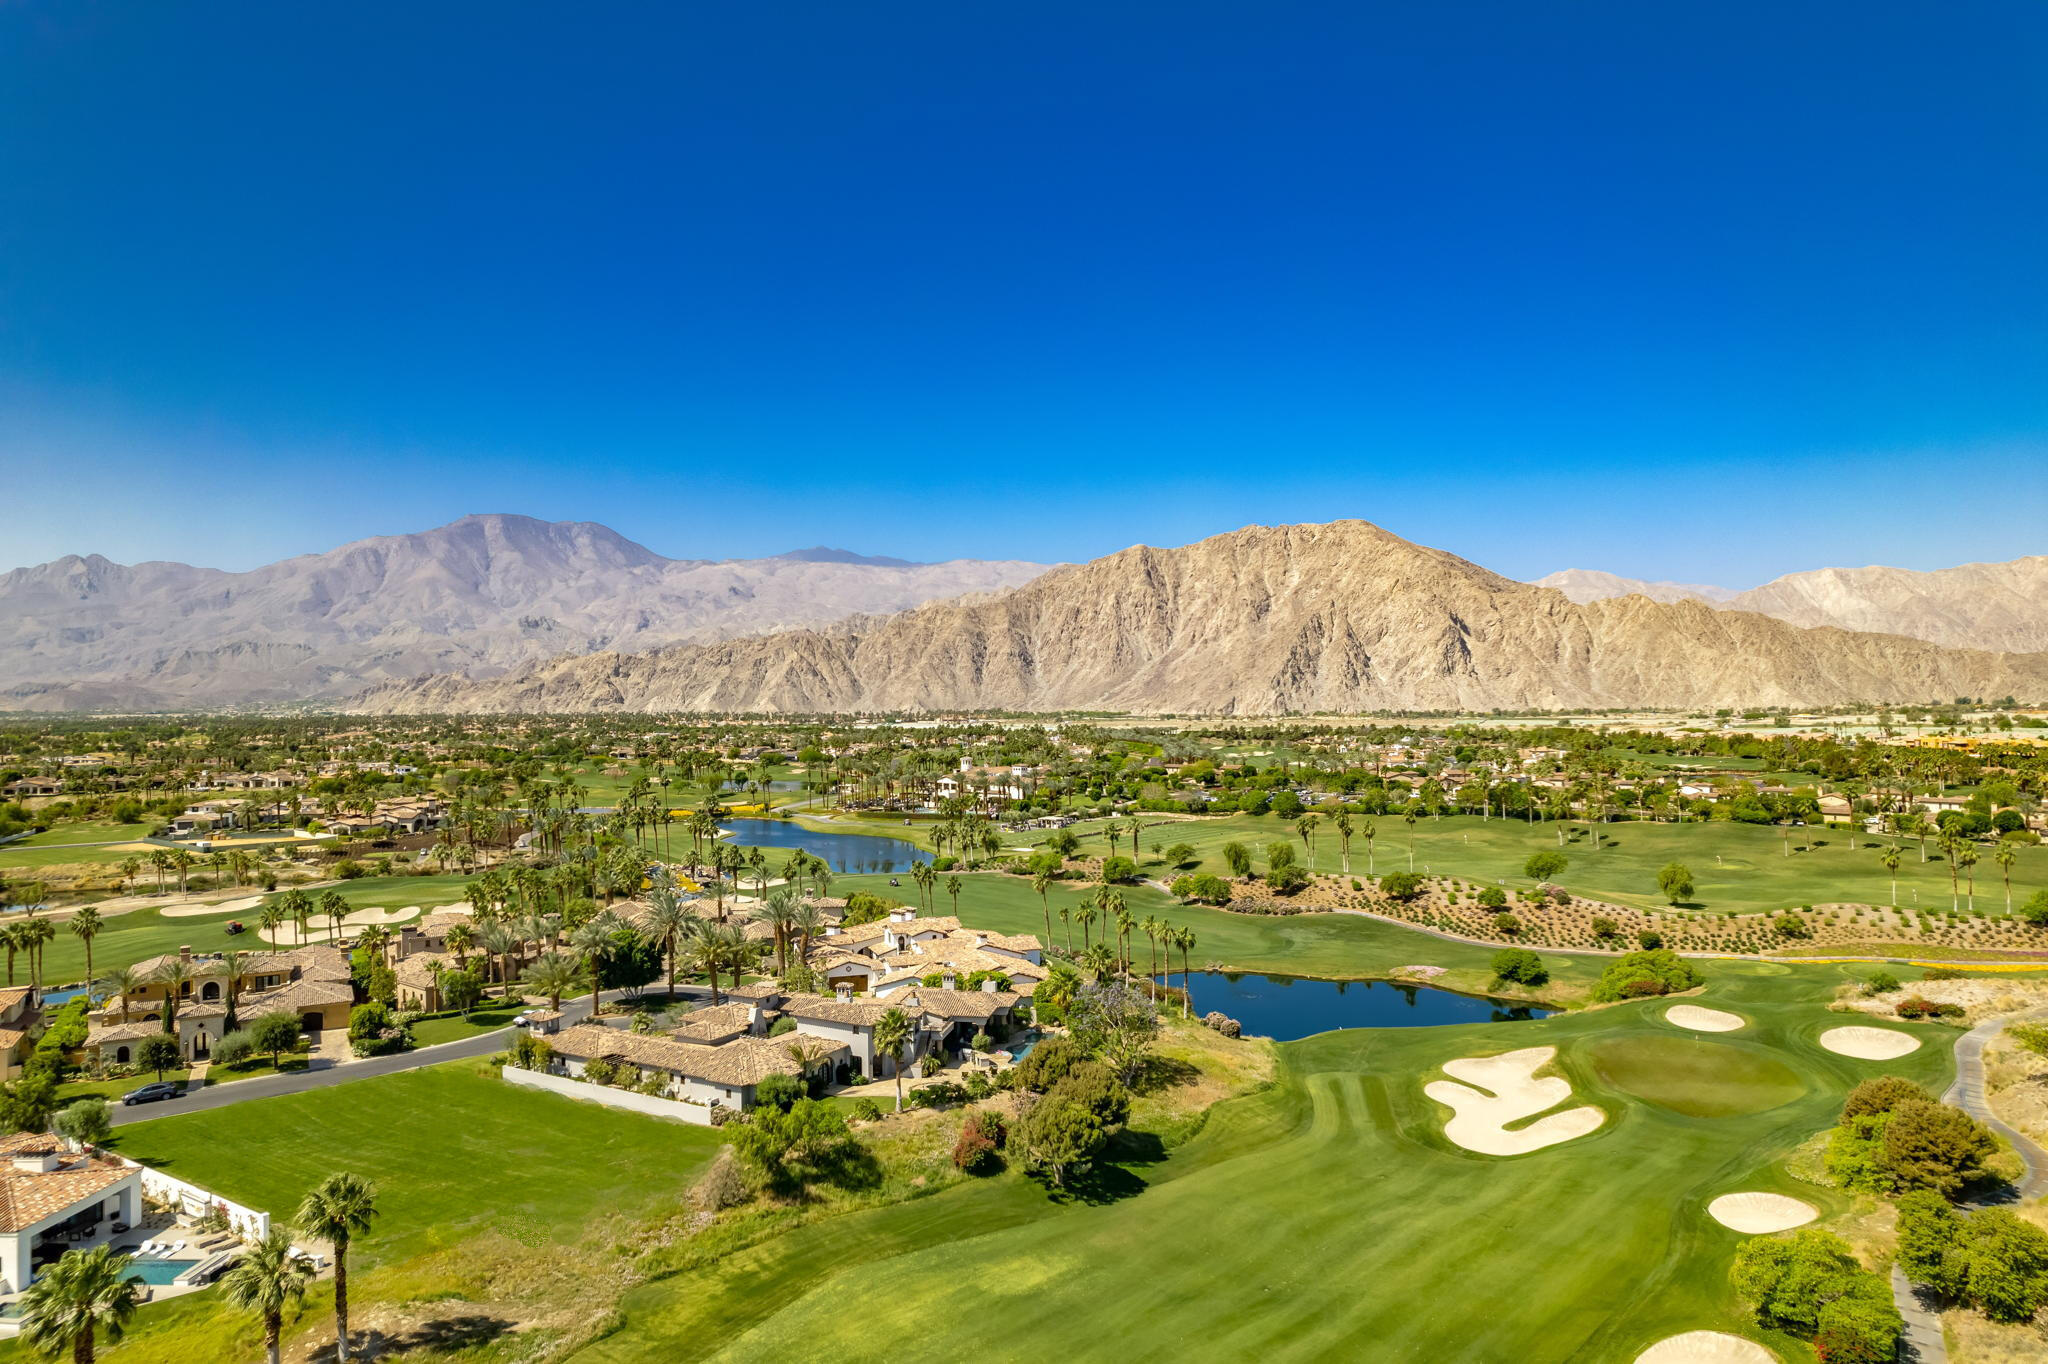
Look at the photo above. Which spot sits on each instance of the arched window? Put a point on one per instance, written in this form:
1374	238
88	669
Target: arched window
210	990
120	1056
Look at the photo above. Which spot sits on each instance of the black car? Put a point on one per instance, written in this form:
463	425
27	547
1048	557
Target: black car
150	1093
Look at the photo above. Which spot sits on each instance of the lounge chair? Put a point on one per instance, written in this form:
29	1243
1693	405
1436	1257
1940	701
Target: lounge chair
147	1247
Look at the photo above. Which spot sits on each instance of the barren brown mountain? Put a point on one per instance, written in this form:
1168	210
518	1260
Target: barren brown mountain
1268	619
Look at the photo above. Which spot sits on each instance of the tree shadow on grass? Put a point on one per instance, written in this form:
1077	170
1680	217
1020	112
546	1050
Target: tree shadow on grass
447	1335
1164	1072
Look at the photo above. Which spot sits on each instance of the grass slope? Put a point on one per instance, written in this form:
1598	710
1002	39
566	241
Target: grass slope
1324	1217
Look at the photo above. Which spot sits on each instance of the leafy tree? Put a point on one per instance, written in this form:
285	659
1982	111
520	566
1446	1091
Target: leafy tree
1507	925
1119	869
337	1209
1932	1146
1049	1062
792	1146
1286	880
1810	1282
1649	940
1881	1095
274	1035
86	1122
1544	866
1519	966
1635	975
2005	1265
778	1091
462	991
1239	859
159	1052
86	1297
1092	1085
1401	885
1202	888
1180	855
1930	1231
2034	909
1059	1136
1115	1022
1493	897
1675	882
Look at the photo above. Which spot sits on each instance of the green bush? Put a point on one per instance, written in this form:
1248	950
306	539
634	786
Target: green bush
1636	975
1519	966
782	1025
1880	982
778	1091
1119	869
1401	885
866	1110
235	1048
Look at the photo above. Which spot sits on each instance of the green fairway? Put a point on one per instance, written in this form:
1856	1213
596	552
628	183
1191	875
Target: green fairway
1740	867
1695	1076
142	933
1326	1217
1336	946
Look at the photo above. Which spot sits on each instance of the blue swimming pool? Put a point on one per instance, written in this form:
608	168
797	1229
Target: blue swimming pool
155	1271
53	999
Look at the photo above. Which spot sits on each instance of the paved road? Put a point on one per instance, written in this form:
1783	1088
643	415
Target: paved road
1967	1093
242	1091
1922	1342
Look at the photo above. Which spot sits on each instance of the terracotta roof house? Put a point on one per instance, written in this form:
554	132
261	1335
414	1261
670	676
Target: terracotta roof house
21	1022
725	1074
48	1194
311	982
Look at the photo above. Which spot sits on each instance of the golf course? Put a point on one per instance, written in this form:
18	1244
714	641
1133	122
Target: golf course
1330	1216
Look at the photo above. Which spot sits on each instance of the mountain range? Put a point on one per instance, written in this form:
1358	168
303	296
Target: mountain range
476	597
1337	617
1975	606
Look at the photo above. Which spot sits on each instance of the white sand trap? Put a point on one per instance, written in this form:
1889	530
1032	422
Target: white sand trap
1757	1214
320	929
1503	1089
245	905
1706	1347
1703	1020
1869	1044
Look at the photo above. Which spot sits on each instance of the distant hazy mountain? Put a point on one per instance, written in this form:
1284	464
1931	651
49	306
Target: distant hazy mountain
819	554
1977	606
1585	585
1339	617
475	597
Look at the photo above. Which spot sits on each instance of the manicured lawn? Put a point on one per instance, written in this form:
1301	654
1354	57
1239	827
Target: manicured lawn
1737	867
84	831
454	1027
112	1090
454	1150
1324	1218
1699	1076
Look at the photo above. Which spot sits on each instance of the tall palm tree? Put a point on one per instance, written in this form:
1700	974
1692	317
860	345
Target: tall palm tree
1342	824
336	1209
705	952
667	922
810	925
1042	883
335	906
778	911
1184	939
953	886
1966	858
11	939
86	1296
594	942
85	926
268	1278
174	975
892	1034
1409	820
1890	858
34	935
2005	854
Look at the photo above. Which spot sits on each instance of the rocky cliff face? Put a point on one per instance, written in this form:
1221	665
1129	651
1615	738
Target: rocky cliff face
1268	619
2002	607
477	597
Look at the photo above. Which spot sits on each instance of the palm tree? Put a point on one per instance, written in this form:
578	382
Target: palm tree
34	934
11	939
594	941
1184	939
2005	854
1306	827
809	925
1342	824
553	974
1950	846
336	907
778	911
84	1297
892	1034
667	922
1966	858
268	1278
85	926
124	981
1891	858
174	975
953	885
1067	918
1042	883
1409	820
335	1210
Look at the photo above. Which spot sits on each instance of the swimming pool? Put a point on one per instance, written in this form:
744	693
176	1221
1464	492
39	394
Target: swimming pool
160	1272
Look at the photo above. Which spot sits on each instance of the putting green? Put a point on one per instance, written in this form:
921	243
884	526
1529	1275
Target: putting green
1695	1077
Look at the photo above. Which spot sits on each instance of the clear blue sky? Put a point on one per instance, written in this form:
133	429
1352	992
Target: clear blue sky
1709	292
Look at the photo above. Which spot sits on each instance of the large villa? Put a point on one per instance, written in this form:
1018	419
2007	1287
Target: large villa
309	982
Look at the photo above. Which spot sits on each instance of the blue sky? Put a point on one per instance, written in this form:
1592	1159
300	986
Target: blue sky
1699	292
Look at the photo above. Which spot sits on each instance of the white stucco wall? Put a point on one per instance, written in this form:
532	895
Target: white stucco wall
671	1109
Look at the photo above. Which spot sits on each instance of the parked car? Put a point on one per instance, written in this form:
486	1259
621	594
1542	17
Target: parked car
151	1093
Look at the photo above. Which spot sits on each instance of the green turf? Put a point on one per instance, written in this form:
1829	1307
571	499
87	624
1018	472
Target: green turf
454	1149
1326	1217
1738	867
1695	1076
438	1028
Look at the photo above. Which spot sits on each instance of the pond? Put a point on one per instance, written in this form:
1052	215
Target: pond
1290	1007
842	852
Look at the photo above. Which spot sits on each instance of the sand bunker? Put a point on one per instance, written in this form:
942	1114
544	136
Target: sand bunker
1703	1020
1706	1347
320	929
1759	1213
1499	1090
247	904
1869	1044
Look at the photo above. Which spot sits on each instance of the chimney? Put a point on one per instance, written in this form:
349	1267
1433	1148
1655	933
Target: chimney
950	981
844	989
185	953
988	987
753	1014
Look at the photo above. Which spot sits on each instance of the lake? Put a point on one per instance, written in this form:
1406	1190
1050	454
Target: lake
842	852
1290	1007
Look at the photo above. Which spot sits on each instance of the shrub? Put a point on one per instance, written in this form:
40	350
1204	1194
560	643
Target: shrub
782	1025
1286	880
1544	866
864	907
1944	973
1605	928
1881	1095
938	1094
975	1150
1202	887
368	1020
930	1064
1880	983
599	1071
1790	925
721	1186
1916	1007
86	1122
1519	966
866	1110
778	1091
1507	925
1636	975
1649	940
234	1048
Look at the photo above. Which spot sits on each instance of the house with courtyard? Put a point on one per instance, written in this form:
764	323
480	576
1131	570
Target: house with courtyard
723	1072
53	1200
21	1023
311	983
